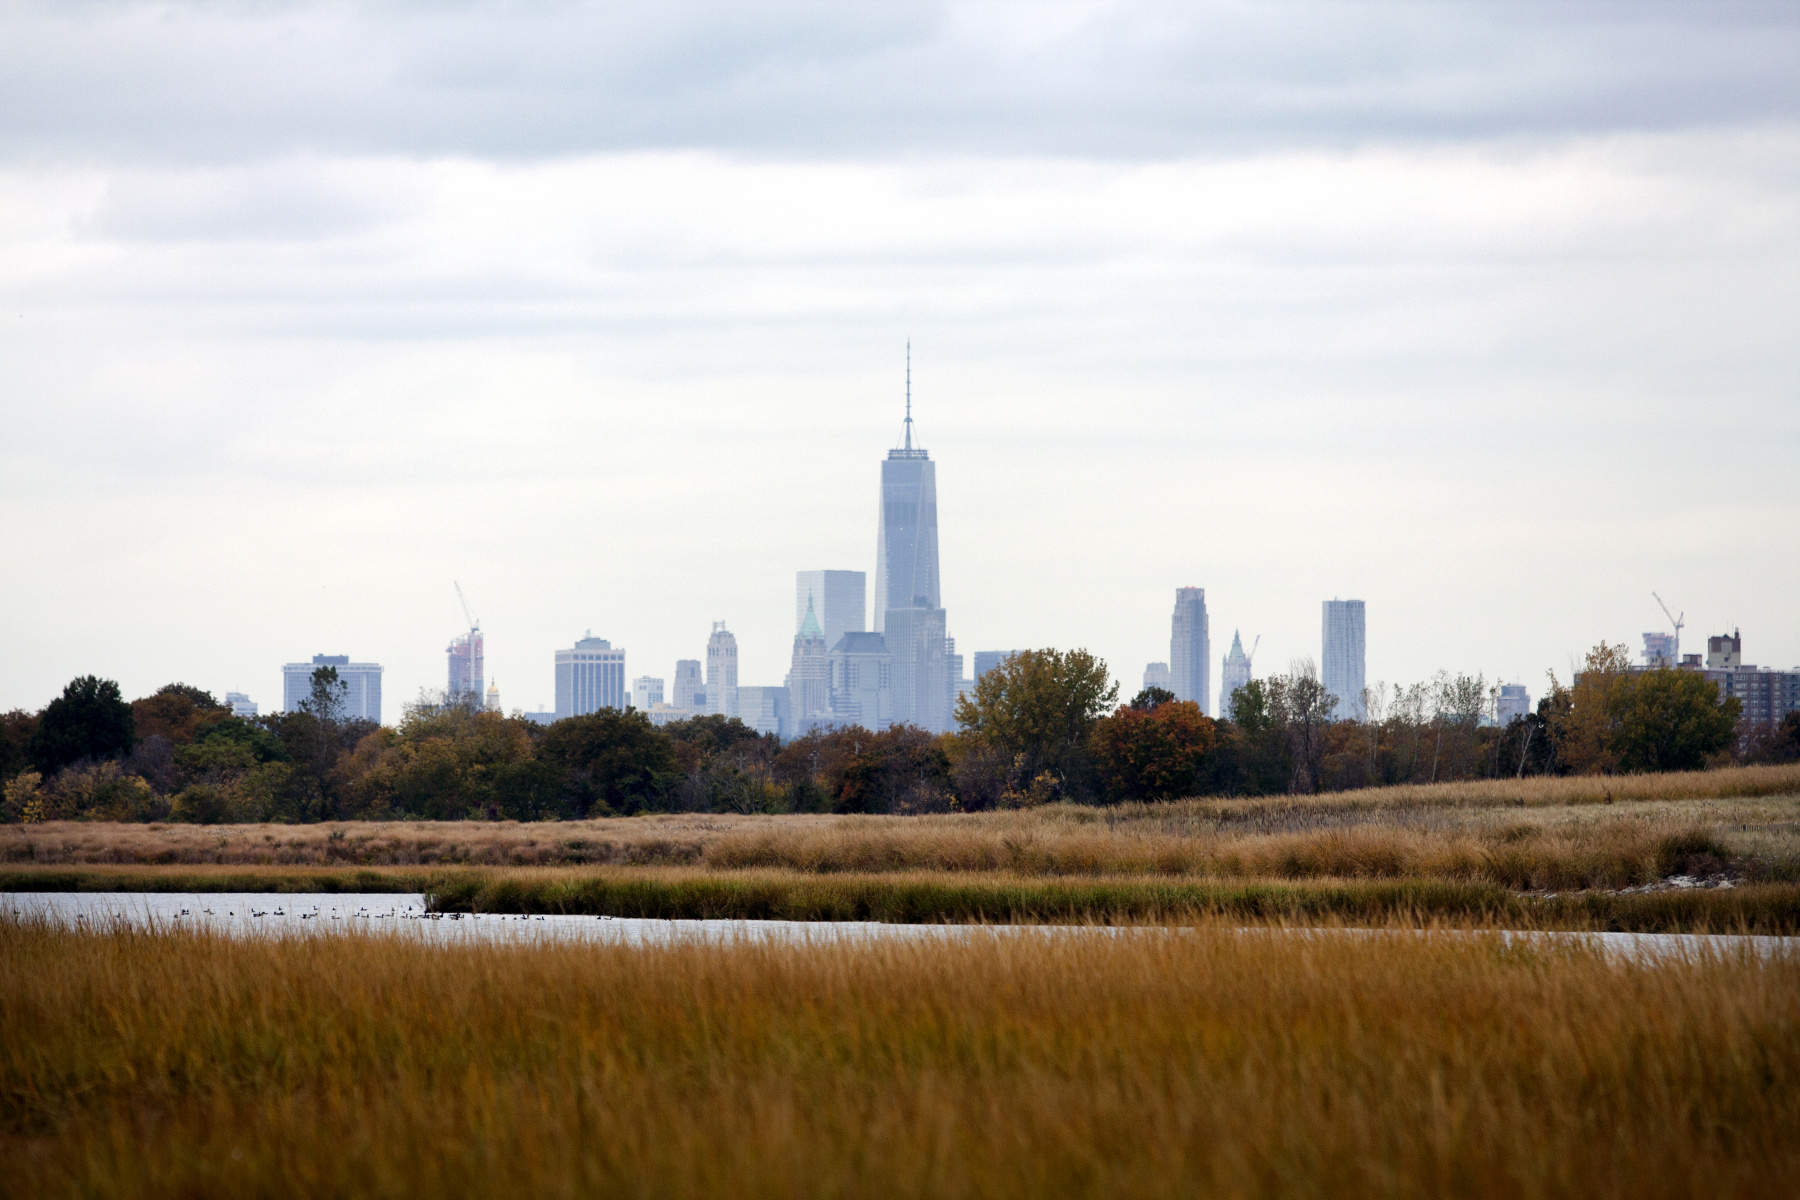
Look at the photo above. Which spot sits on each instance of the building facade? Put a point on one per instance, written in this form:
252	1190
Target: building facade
690	687
1512	704
590	676
721	671
1156	675
240	705
493	697
468	669
809	675
1767	695
1190	649
645	692
361	686
839	601
1234	673
1659	650
987	660
1342	662
862	681
922	685
764	709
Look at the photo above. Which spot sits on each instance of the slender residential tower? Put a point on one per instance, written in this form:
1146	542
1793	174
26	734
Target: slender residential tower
1341	670
909	611
1190	649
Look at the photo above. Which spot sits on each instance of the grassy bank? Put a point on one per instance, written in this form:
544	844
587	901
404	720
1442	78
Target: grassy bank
1539	834
962	897
180	1064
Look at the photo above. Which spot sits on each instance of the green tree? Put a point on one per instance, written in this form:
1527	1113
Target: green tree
89	720
16	730
1158	753
1040	707
1673	720
612	761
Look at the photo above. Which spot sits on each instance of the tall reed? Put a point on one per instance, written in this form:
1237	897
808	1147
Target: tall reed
1145	1064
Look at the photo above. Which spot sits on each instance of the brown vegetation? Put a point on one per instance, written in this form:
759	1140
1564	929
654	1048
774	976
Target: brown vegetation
1534	834
1213	1063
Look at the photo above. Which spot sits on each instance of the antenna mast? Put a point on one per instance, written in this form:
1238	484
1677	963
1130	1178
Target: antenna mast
909	393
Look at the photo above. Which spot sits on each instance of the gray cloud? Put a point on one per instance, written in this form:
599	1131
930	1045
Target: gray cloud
1145	79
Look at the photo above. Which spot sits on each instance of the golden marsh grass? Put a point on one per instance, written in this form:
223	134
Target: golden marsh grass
1147	1064
1554	834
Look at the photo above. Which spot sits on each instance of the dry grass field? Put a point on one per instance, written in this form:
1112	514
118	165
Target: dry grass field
1208	1062
1538	834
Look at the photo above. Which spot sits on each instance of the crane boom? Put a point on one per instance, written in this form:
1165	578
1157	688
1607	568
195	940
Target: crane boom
1252	655
1674	620
469	616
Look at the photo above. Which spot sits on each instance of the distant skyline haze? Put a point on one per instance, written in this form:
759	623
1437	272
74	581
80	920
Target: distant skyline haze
1481	313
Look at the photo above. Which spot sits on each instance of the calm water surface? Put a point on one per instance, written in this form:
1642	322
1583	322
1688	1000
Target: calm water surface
254	914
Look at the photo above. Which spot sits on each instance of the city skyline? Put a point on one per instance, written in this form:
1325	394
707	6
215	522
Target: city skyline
280	370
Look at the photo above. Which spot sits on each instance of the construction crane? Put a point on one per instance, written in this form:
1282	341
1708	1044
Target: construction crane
1674	620
469	616
1251	657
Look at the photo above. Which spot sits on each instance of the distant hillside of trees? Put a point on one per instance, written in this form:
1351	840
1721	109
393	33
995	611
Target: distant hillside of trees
1044	726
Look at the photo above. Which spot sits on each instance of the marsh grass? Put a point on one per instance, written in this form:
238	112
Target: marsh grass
1215	1062
1545	834
930	897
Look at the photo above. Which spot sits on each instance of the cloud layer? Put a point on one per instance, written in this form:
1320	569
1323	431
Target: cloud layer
1480	312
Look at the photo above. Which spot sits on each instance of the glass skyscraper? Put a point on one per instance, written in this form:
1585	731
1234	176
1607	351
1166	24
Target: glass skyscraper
1341	670
1190	649
909	609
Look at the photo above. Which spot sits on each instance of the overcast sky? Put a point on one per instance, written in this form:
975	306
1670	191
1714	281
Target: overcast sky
1487	314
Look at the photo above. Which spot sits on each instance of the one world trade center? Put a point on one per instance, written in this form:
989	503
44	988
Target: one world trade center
909	612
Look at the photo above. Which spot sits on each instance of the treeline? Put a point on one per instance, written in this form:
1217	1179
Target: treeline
1045	726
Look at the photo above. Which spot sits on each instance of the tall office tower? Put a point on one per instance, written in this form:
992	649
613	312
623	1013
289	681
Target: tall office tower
1512	704
240	705
1342	672
493	697
1234	673
1190	649
467	668
361	685
839	600
590	676
688	685
862	681
809	677
721	671
1156	675
646	691
987	660
909	610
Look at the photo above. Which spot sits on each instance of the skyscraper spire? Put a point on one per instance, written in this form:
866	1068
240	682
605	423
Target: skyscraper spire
909	393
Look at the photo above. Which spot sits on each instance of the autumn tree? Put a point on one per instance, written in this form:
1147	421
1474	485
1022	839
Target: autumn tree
1154	753
1038	709
1584	717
